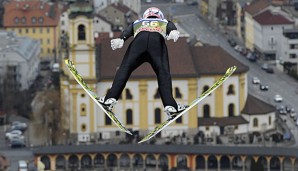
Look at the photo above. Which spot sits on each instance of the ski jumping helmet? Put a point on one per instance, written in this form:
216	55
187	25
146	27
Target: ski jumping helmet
153	12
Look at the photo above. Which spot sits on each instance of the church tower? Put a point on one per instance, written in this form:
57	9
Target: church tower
78	109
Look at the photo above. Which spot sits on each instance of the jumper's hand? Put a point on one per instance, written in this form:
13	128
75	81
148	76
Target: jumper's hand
117	43
174	34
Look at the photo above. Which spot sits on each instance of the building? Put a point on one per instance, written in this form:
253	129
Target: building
36	19
167	157
268	30
288	56
19	61
140	107
101	4
120	15
250	11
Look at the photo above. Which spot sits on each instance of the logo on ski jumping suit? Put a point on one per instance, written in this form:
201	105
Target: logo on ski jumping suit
151	25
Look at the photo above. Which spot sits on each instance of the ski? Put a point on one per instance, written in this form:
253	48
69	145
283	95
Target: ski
219	82
93	95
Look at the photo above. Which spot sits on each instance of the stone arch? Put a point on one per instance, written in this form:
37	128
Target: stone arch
150	161
46	161
86	161
287	164
163	162
212	162
99	161
225	162
237	162
275	163
112	161
137	161
73	162
124	161
262	162
200	162
60	162
182	161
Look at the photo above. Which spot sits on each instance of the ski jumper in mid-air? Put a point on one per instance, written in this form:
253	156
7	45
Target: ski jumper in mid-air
149	46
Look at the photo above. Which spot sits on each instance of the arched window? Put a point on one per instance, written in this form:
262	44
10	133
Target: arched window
157	95
255	122
81	32
128	94
178	94
269	120
205	88
83	110
108	120
231	90
206	111
157	116
129	117
231	110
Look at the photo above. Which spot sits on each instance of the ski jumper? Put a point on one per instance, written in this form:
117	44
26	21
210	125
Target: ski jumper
149	46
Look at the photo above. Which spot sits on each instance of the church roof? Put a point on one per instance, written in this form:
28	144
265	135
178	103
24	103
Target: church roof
221	121
255	106
185	61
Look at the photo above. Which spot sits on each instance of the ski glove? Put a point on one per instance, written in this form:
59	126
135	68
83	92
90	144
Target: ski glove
174	34
117	43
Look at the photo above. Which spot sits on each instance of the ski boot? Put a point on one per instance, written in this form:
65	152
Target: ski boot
107	104
172	112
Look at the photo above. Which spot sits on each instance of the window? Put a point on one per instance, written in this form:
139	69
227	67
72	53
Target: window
179	120
269	120
255	122
33	30
231	90
83	110
83	95
81	32
157	116
48	30
231	110
83	127
129	117
293	56
205	88
157	95
128	94
108	120
20	31
49	42
23	20
16	20
40	20
177	93
33	20
206	111
40	30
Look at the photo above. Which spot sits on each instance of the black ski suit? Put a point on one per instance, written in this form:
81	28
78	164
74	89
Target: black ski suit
149	47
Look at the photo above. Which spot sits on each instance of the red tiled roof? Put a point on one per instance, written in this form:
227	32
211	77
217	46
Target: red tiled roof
256	6
30	9
272	18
